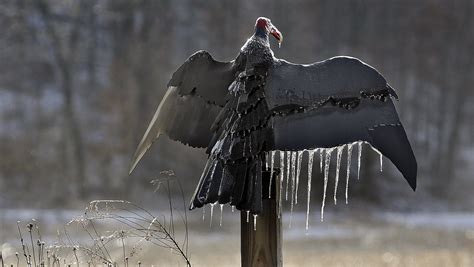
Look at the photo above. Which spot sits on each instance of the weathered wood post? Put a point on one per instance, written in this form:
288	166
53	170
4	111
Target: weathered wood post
261	246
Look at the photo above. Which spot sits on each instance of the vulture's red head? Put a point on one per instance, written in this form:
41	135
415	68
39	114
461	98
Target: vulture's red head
264	26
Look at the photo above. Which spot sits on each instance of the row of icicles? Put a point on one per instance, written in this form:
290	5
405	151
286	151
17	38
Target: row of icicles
290	170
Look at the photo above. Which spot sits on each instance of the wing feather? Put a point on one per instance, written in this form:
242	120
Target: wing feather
334	102
195	96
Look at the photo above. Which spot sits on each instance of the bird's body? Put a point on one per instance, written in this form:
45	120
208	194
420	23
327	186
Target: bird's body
257	51
242	109
241	135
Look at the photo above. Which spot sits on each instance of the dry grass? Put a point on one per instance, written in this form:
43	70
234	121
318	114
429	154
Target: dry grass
339	241
109	233
120	233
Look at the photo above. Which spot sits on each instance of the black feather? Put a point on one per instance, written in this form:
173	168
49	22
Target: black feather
242	109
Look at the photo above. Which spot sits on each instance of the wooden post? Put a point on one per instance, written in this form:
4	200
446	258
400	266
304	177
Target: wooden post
261	246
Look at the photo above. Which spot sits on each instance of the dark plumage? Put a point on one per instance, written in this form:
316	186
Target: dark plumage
240	110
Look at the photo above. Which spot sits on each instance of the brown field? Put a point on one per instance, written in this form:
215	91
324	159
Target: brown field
378	239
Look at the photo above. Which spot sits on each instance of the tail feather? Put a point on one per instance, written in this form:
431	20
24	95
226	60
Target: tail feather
240	181
226	186
215	178
256	202
200	194
245	202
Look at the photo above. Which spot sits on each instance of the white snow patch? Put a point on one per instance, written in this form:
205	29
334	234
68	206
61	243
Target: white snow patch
437	220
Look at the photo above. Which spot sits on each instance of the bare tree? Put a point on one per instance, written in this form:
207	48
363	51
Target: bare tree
64	52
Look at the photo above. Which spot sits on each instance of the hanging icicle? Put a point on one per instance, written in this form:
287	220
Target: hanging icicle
266	160
212	213
381	161
220	220
293	173
293	183
338	166
321	154
380	157
310	172
298	171
272	162
204	213
327	163
349	154
288	165
359	145
248	215
232	208
282	171
255	222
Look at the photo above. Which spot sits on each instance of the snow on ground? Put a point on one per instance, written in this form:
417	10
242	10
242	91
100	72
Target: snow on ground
439	220
334	225
343	239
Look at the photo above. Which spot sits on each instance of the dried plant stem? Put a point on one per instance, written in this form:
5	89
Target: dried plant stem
123	250
30	227
75	255
137	226
185	221
24	247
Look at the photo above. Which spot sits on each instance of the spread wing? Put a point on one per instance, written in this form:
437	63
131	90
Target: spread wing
196	94
333	102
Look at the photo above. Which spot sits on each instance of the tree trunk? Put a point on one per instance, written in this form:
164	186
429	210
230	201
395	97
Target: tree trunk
65	66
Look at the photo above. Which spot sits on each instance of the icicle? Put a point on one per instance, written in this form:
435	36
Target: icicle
381	162
248	214
338	166
380	156
293	172
321	154
359	144
282	162
220	221
310	172
288	165
255	222
272	162
298	171
212	213
349	154
327	163
233	208
203	213
266	160
293	183
280	194
282	168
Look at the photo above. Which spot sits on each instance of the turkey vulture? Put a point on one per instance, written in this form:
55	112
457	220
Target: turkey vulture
242	109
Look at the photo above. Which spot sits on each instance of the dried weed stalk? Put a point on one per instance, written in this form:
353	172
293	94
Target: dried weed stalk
108	224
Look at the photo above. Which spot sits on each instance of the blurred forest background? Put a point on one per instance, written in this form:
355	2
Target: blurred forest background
80	81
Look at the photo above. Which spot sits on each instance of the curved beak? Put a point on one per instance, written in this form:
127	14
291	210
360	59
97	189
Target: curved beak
277	34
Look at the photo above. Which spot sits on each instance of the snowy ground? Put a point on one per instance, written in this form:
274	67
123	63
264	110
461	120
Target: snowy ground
345	239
